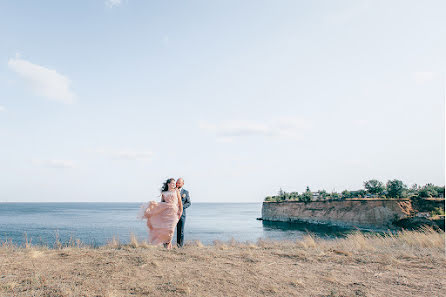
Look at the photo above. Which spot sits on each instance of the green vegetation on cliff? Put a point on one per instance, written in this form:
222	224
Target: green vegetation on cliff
372	189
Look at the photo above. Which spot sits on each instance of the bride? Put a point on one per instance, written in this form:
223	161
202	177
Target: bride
162	217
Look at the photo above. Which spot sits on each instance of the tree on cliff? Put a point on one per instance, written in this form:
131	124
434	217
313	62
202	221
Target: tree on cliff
357	194
307	195
294	196
440	191
430	190
413	190
323	194
396	189
335	195
374	187
346	194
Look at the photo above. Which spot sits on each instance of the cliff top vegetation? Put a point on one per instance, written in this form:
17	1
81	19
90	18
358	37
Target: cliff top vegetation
372	189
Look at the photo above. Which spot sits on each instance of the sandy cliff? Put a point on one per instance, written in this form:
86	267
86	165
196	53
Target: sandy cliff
349	213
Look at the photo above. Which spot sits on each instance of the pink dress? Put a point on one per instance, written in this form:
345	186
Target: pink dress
162	218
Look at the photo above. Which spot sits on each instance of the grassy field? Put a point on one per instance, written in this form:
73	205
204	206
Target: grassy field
407	264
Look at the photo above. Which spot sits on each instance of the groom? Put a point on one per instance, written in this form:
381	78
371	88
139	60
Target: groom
185	199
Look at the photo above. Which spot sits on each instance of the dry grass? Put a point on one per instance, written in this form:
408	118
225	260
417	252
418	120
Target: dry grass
406	264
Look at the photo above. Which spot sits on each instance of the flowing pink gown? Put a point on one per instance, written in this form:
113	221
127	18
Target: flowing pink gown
162	218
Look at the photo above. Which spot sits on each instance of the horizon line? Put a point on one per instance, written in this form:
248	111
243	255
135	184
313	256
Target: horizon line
110	202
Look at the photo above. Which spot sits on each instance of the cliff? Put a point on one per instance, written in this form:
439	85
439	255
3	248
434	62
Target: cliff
361	213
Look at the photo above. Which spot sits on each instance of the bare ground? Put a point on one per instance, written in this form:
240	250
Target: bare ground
409	264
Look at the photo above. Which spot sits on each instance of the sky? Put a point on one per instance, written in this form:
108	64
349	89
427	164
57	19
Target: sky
102	100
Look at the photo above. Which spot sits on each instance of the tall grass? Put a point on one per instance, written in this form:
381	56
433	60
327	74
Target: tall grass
410	241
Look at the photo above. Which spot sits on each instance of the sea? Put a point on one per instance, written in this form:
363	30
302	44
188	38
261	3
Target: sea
96	224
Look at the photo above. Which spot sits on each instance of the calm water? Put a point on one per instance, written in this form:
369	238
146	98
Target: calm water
97	223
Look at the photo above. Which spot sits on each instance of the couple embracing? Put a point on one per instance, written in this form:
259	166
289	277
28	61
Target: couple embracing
162	217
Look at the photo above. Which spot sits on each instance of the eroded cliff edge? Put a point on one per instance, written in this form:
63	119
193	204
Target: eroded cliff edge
361	213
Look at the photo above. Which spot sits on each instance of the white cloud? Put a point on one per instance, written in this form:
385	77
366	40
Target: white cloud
237	128
2	108
55	163
288	127
113	3
126	154
44	82
423	77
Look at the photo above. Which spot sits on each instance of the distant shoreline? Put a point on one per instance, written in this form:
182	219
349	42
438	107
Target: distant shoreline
124	202
362	213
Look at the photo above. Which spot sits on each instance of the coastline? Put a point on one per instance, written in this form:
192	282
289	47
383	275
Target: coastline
409	263
374	214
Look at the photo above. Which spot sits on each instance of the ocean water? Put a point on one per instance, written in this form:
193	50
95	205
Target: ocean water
96	223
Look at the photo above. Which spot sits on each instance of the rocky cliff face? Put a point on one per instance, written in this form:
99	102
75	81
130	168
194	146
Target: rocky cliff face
347	213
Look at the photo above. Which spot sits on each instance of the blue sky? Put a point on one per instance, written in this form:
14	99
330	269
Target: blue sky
103	100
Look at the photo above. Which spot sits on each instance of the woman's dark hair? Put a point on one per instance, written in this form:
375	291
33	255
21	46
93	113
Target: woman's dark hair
166	183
